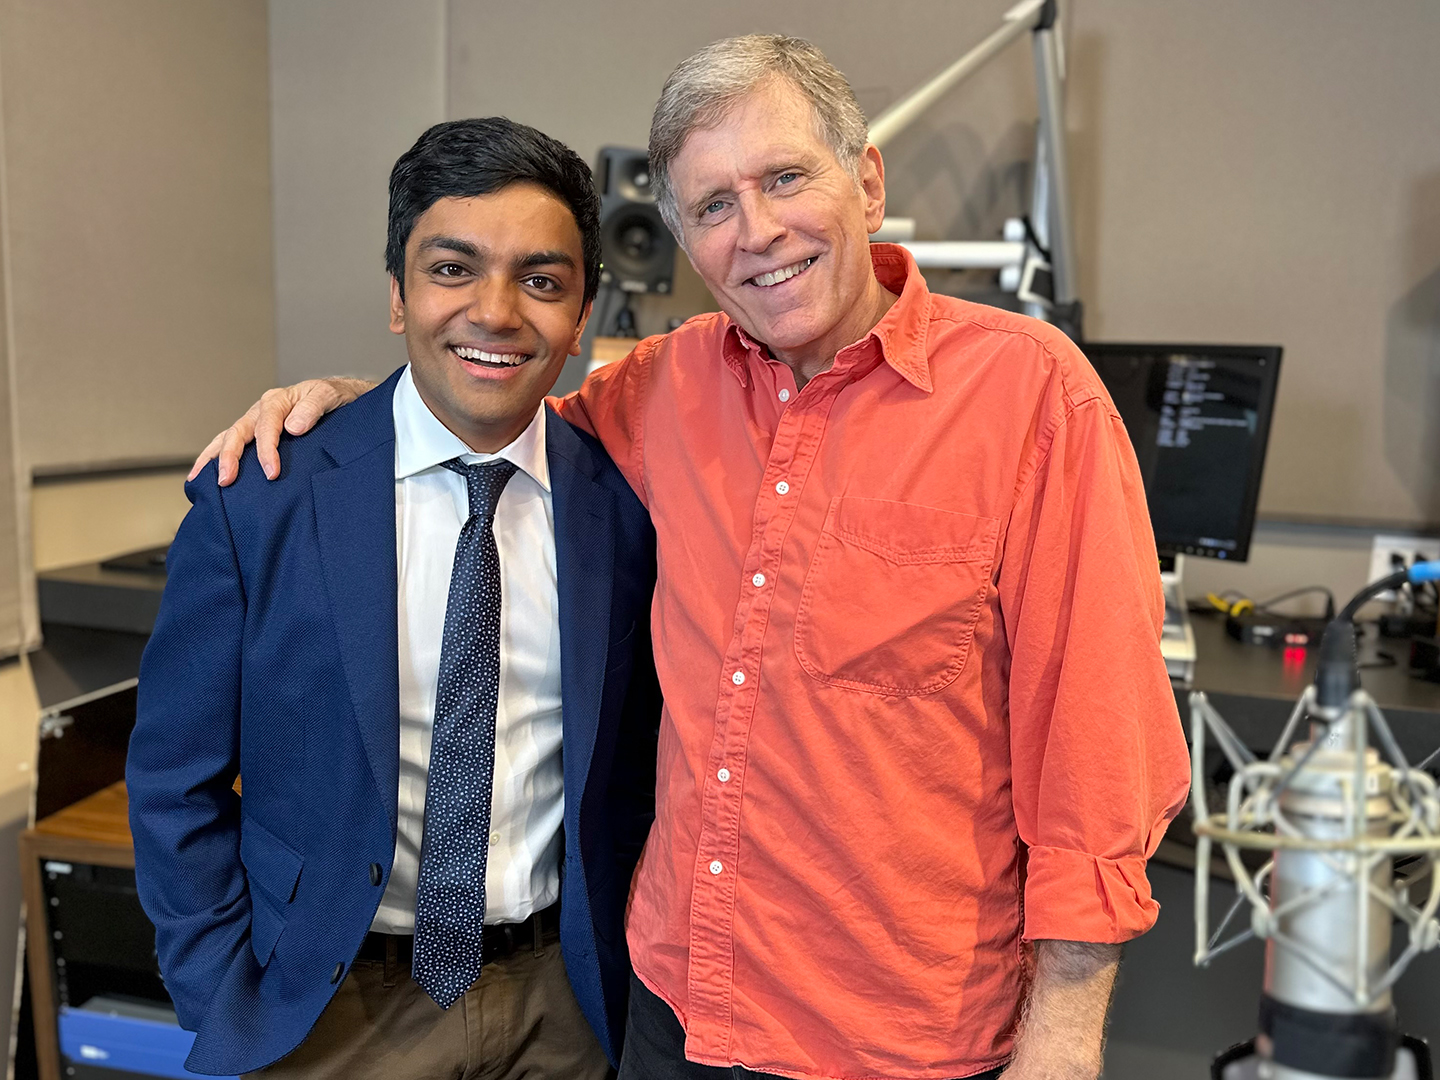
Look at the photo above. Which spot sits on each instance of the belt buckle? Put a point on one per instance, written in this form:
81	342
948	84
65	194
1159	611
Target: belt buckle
507	938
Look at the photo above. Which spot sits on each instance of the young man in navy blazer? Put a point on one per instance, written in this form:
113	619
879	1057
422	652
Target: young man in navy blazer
425	650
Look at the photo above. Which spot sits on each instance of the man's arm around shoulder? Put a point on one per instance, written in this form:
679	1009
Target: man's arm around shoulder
184	758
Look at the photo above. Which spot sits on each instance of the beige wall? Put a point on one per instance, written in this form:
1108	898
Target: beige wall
138	186
94	518
19	622
354	83
1285	557
1271	172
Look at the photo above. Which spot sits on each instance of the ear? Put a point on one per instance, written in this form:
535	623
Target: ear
872	186
397	308
580	327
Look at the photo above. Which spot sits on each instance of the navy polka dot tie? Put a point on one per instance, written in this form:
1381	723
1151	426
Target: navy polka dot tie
450	897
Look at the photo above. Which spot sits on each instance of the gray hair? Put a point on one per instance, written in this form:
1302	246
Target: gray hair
704	87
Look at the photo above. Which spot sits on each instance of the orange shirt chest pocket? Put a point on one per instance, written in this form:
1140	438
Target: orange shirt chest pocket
892	595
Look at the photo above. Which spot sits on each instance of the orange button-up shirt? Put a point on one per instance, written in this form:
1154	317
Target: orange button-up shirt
907	627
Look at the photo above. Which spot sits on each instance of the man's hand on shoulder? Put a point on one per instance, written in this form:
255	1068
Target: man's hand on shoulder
292	408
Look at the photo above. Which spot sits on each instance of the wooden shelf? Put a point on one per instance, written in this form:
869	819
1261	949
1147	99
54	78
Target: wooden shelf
102	818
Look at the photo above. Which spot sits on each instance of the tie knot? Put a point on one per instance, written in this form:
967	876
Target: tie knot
485	480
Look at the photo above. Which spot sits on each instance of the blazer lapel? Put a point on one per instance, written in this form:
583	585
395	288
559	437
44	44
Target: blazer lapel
355	520
585	566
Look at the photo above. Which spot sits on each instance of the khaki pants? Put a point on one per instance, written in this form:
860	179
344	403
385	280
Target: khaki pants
519	1020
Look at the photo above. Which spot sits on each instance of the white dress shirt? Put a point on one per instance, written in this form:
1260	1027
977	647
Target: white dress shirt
522	874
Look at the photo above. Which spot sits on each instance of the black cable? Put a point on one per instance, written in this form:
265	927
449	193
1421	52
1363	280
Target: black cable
1374	589
1336	674
1034	237
1267	605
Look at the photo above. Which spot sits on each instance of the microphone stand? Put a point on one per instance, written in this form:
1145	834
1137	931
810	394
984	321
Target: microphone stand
1335	815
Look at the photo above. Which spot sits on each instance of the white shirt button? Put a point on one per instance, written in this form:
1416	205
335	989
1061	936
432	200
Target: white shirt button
758	581
723	776
738	678
715	867
494	838
782	488
785	395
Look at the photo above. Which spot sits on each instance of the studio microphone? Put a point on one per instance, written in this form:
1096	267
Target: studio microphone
1336	816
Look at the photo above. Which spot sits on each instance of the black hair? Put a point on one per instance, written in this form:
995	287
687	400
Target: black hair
465	158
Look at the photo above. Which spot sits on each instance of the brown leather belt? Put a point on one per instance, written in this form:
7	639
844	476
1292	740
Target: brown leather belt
498	941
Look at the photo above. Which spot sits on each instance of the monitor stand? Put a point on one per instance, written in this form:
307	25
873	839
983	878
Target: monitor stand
1177	640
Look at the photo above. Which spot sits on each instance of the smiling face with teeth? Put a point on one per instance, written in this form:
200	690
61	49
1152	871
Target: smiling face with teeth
779	229
493	304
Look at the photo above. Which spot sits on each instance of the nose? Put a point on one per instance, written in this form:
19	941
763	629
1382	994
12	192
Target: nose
494	306
759	225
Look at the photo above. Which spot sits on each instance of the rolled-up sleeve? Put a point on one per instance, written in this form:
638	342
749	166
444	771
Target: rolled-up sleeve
1098	753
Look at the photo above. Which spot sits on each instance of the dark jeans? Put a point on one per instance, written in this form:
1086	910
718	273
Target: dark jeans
655	1046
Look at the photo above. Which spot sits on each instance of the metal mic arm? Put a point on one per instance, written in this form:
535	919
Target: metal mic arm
1334	815
1049	253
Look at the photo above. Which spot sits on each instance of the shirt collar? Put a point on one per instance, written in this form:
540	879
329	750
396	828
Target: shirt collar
901	333
423	442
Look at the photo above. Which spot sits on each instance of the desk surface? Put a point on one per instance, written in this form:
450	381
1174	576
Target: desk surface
1225	666
102	818
76	662
93	596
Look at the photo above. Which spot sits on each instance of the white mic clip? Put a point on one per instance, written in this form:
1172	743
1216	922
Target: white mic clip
1334	816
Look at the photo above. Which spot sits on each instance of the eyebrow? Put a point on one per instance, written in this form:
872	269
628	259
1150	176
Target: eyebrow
521	262
544	258
448	243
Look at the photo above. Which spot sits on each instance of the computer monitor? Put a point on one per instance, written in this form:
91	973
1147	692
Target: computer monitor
1199	416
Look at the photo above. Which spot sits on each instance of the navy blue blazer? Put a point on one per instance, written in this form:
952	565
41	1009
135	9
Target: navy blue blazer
275	658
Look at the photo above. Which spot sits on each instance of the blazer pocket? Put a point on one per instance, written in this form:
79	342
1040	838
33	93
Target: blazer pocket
892	595
272	870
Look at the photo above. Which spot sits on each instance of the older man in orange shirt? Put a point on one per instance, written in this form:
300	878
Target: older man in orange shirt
907	628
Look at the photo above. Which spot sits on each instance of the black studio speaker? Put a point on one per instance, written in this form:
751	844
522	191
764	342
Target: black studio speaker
636	248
